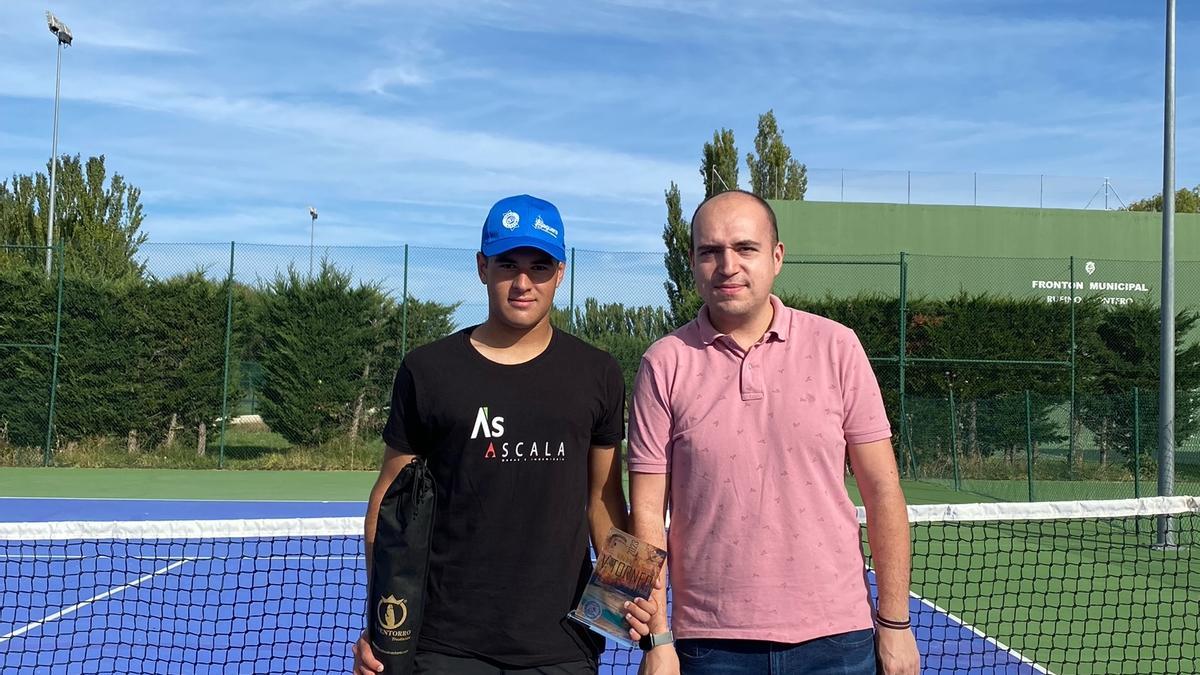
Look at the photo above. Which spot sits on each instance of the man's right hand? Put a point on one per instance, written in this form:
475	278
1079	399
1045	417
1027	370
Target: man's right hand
365	662
661	660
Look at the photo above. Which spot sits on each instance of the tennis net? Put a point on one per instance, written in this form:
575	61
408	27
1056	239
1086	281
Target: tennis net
1058	587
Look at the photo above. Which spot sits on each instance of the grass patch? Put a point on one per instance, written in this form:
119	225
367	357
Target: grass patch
246	447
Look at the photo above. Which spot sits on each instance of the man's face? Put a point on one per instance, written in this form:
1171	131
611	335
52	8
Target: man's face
521	285
735	259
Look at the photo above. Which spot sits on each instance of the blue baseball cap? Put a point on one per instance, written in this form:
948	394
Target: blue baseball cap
521	220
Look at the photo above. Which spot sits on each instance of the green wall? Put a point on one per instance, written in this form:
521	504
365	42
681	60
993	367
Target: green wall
1006	251
841	228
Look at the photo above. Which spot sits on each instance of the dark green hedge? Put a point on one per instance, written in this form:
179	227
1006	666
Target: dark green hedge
133	354
137	353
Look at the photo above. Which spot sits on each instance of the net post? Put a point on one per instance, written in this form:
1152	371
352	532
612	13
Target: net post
404	309
228	341
1029	442
62	265
954	444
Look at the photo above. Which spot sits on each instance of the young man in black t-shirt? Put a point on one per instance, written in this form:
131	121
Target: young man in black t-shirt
520	424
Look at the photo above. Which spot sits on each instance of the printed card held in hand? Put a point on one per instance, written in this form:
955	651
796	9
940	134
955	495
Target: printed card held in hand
625	570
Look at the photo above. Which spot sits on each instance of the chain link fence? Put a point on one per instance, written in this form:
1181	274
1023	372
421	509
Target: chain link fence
30	323
976	189
261	356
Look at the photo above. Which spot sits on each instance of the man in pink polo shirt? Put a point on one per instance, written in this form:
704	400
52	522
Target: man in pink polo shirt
742	421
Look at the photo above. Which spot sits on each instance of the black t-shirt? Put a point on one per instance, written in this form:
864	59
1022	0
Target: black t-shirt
508	446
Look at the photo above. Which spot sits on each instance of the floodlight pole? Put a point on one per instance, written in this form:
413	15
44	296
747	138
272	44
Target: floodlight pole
54	159
1166	382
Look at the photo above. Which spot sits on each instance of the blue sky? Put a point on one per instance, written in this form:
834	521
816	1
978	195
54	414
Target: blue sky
402	121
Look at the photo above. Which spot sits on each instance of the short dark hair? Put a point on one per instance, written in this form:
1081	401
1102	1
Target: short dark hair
761	202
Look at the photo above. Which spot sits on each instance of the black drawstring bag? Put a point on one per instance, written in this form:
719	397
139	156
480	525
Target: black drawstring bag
400	567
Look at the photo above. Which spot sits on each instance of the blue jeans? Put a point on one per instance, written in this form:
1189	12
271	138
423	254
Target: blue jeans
850	653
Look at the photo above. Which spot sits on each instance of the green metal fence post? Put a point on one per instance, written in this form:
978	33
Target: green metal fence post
1029	442
404	309
228	341
1071	430
903	349
1071	423
954	443
909	434
571	306
1137	445
62	265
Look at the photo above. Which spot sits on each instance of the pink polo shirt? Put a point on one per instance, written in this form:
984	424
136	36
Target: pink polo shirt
764	541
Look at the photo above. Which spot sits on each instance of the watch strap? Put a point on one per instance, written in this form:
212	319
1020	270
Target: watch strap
649	642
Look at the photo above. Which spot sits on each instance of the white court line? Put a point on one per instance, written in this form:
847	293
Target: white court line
976	631
96	598
176	530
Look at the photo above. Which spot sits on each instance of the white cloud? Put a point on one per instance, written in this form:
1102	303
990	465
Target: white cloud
24	23
98	32
410	119
568	168
381	79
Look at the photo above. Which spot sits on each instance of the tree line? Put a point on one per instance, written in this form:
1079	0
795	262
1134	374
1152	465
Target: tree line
143	357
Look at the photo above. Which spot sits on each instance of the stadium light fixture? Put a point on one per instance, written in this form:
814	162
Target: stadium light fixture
59	29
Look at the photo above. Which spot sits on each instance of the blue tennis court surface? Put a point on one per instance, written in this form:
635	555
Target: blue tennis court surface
248	605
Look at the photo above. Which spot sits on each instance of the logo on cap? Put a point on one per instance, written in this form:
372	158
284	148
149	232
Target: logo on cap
539	225
510	220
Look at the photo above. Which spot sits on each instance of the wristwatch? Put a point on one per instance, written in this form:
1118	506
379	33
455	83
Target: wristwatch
649	642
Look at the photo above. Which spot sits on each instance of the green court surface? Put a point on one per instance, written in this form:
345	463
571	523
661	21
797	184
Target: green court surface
1059	490
186	484
271	485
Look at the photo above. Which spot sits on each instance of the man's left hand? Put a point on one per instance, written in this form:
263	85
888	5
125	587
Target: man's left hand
641	612
897	651
638	615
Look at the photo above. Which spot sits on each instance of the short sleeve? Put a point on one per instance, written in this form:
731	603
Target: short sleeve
650	423
403	429
864	417
609	428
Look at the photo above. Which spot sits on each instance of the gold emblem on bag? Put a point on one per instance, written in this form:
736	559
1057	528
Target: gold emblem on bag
388	609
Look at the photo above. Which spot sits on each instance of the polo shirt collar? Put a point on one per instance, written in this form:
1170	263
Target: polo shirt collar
781	323
779	329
